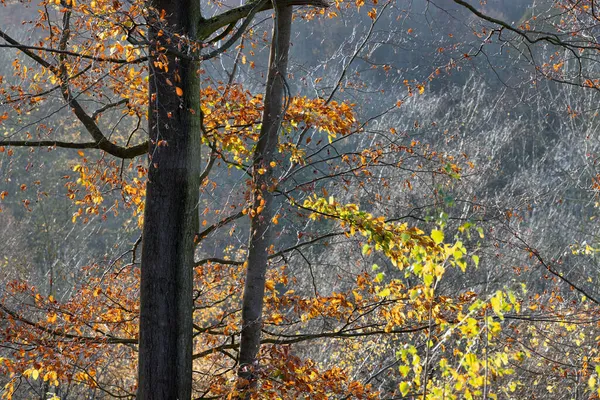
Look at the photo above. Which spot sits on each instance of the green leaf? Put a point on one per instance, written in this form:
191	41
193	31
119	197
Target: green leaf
480	230
404	370
428	279
413	294
404	388
475	260
366	249
437	236
457	254
471	362
464	227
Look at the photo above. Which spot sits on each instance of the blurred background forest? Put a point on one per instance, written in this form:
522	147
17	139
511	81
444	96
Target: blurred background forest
474	141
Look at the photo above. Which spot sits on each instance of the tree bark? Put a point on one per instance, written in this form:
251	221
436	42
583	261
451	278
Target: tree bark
261	233
171	215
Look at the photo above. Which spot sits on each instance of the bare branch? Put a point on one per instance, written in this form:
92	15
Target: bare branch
208	26
108	106
531	36
219	224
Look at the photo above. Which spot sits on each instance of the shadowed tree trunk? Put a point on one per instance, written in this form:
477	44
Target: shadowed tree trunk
261	234
171	215
174	133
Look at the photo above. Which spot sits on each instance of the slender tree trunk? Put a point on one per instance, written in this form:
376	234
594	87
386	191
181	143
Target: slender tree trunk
171	215
261	233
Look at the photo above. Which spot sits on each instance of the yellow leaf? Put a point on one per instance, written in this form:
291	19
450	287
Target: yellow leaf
496	302
437	236
404	388
277	318
269	284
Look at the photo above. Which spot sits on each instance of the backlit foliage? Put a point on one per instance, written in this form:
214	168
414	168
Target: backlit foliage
446	342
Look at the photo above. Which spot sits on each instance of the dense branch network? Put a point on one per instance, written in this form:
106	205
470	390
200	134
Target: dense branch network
100	141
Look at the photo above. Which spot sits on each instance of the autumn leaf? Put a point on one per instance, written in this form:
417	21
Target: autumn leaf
404	388
437	236
270	285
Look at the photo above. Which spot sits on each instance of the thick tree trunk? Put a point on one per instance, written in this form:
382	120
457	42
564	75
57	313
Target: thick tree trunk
261	233
171	215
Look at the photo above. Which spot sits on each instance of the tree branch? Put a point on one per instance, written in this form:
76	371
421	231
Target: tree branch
55	143
209	26
100	141
219	224
61	333
29	51
99	111
543	36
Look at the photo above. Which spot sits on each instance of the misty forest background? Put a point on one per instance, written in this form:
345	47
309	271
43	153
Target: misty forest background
527	148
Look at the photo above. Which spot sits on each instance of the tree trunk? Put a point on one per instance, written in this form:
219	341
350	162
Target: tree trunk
171	215
261	233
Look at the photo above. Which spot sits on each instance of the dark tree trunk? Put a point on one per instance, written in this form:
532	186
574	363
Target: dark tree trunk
171	215
261	234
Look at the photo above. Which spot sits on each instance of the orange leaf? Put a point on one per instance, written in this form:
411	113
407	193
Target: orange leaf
179	91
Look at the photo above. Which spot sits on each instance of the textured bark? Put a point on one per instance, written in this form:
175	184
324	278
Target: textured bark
171	216
261	233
